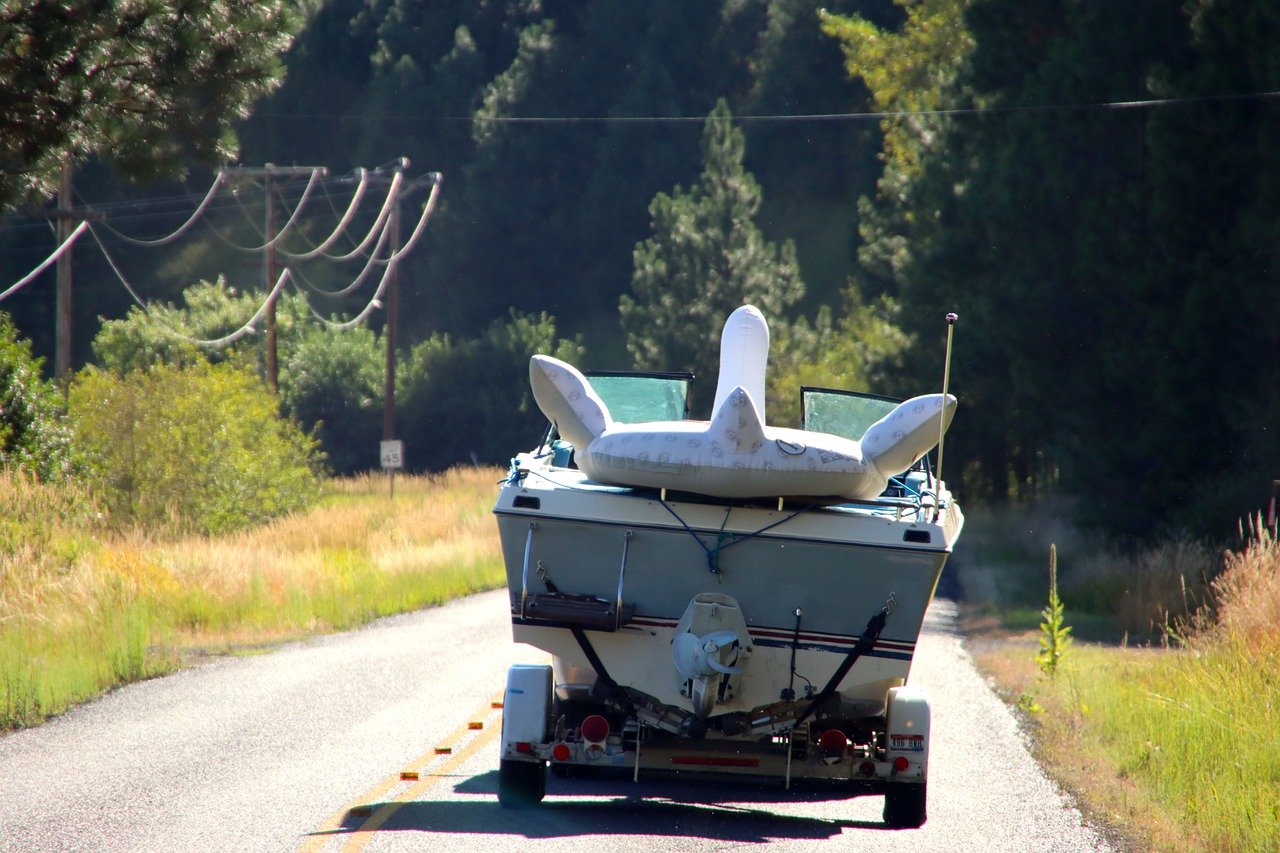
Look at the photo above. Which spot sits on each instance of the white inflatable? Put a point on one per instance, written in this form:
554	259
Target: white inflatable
735	455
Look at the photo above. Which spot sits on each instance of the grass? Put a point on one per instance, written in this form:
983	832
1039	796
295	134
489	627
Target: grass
1173	741
84	608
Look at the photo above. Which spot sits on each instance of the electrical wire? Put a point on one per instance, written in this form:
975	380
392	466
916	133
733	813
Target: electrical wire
247	328
57	253
341	226
217	183
1147	103
284	230
392	192
376	300
372	261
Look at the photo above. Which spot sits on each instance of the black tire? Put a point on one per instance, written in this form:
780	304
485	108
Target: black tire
904	806
521	783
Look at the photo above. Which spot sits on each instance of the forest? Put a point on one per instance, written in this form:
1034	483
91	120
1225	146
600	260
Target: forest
1090	186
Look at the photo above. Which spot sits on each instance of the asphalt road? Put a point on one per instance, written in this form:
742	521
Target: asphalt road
385	739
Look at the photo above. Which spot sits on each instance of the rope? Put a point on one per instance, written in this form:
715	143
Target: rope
713	554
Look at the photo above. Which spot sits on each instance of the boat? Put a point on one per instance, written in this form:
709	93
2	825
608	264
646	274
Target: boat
723	597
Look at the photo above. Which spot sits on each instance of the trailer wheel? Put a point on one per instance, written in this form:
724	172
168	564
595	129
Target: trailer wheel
904	806
521	783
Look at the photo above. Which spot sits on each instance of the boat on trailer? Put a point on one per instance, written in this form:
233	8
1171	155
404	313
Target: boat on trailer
723	598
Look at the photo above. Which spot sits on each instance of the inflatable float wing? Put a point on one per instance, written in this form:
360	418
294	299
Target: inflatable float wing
735	454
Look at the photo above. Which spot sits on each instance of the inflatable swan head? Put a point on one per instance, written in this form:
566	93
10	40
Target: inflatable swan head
735	454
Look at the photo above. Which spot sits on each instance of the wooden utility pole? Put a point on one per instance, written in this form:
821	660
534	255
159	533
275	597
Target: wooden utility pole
62	307
269	173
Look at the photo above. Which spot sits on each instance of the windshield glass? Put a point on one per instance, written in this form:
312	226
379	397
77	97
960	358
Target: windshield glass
843	413
638	397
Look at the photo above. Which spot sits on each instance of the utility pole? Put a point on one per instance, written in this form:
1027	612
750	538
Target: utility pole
391	331
65	214
269	173
62	306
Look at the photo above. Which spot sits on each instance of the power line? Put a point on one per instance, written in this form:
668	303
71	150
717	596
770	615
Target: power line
1147	103
64	246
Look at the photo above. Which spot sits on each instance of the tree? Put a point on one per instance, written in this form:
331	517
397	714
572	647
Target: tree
148	82
33	433
201	447
706	257
470	398
333	383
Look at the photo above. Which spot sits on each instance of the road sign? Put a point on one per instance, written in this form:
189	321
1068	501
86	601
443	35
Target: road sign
393	454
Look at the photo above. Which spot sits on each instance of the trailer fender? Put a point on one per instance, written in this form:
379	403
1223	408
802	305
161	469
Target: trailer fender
907	732
526	710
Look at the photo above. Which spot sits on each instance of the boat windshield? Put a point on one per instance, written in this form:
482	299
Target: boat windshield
638	397
844	413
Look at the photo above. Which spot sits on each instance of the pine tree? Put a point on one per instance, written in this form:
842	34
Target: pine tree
705	258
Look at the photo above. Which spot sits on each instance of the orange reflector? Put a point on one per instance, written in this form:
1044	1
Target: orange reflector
900	763
444	750
714	761
408	776
473	726
495	704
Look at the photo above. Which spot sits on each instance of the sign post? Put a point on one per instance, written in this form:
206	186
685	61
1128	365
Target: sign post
392	454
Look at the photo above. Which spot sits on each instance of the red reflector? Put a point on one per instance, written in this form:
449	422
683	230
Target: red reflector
867	768
524	746
560	752
900	763
713	761
595	729
832	742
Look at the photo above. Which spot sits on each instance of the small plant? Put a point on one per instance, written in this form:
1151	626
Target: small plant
1055	634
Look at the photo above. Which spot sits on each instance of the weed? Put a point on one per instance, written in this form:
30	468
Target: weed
1055	634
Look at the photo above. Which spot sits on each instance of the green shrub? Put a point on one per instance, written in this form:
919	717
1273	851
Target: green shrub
472	396
33	433
199	448
334	383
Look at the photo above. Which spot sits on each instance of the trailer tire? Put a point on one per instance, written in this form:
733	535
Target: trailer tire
904	806
521	783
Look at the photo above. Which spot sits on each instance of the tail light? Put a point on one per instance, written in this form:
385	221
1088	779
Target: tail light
595	729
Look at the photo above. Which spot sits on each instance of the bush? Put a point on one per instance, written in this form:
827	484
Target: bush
333	383
473	397
33	433
199	448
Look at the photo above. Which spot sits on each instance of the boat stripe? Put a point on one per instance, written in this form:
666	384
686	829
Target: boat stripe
781	638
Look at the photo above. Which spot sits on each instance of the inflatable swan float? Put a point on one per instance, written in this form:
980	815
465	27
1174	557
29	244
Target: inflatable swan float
735	455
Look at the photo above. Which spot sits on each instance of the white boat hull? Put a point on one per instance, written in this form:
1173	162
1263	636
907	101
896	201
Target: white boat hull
808	581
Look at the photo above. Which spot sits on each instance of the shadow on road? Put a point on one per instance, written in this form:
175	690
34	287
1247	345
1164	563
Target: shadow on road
617	806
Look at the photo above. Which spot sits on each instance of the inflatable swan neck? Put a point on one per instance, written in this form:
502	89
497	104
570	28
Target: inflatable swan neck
744	354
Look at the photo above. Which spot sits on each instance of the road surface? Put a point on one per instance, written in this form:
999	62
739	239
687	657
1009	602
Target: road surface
386	739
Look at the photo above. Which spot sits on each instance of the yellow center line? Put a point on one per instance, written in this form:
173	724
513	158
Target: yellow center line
367	830
322	834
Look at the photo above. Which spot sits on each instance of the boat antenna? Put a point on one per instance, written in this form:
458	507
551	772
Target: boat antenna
942	424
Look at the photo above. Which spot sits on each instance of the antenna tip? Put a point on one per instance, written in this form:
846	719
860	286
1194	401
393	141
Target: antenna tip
951	319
